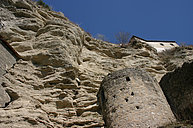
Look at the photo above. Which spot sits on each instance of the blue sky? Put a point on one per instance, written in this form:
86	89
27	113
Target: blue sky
148	19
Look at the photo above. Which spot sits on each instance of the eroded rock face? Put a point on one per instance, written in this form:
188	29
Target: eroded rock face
56	81
178	89
130	98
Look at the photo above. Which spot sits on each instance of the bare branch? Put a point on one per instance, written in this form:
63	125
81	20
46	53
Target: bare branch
122	37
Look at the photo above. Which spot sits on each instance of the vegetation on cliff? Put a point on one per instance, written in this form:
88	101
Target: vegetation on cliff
43	4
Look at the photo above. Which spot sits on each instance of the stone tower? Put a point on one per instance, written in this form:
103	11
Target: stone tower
132	98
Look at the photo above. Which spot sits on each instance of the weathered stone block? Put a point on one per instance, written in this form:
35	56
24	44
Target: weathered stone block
132	98
178	89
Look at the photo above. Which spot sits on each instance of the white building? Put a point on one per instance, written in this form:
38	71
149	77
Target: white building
158	45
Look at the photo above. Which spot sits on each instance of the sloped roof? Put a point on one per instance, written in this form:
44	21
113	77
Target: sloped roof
153	40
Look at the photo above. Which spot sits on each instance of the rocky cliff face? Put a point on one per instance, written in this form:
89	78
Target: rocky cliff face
55	82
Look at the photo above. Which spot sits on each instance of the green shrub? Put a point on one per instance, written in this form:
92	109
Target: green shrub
40	2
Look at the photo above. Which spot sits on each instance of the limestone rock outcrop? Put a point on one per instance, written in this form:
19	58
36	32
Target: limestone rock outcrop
56	81
130	98
178	89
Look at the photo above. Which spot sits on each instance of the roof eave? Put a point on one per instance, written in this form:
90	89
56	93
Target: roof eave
152	40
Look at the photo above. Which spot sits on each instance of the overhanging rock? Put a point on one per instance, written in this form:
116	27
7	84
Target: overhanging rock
130	98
